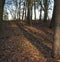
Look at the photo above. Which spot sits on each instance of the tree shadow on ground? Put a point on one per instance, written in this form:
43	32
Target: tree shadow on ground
41	26
44	49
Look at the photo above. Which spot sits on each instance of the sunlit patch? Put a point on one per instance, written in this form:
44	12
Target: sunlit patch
14	25
40	34
31	52
34	29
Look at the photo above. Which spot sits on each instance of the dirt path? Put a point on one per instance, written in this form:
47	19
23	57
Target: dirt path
15	47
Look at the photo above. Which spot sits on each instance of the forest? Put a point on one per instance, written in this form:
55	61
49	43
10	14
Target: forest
29	30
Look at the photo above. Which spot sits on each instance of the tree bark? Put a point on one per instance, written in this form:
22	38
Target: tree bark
52	23
28	13
40	14
25	10
1	12
35	9
45	11
57	31
19	9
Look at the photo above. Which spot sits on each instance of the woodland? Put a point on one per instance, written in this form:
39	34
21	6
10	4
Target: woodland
29	30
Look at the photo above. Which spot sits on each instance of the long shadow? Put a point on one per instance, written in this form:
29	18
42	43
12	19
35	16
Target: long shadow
44	28
42	36
44	49
46	31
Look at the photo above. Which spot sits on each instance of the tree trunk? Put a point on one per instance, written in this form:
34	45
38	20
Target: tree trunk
40	14
57	30
52	23
45	15
35	9
1	12
19	9
23	15
28	14
25	11
31	13
45	10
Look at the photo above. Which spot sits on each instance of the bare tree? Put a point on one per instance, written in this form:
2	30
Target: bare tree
45	10
57	29
2	2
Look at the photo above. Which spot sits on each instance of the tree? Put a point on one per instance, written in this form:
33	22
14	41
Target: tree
35	8
57	30
41	8
2	2
23	10
52	23
29	3
45	10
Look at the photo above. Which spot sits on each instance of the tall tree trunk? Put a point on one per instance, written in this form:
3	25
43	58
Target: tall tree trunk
31	14
52	23
35	9
25	11
40	14
2	2
45	15
45	10
28	14
16	9
57	30
23	14
29	2
19	9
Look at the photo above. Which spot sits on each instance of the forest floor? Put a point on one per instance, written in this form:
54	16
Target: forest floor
24	43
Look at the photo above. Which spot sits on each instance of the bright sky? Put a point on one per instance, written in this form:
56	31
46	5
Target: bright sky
37	12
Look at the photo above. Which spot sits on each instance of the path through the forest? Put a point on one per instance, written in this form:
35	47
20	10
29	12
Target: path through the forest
19	45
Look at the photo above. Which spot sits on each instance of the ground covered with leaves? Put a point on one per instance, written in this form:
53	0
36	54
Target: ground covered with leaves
24	43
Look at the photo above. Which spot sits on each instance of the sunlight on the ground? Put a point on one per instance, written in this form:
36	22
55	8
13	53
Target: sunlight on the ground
35	29
29	49
12	25
40	34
